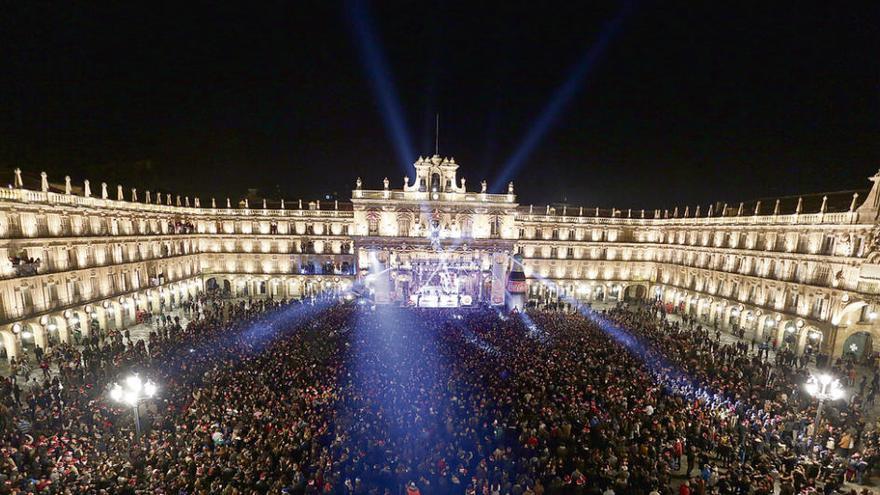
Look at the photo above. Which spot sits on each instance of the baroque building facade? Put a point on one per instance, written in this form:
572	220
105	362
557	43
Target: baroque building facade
801	272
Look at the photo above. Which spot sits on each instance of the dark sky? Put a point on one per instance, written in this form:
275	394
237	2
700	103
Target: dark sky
689	103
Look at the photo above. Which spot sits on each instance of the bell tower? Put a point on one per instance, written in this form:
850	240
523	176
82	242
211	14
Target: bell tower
436	174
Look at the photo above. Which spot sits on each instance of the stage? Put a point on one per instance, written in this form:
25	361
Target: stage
432	275
440	300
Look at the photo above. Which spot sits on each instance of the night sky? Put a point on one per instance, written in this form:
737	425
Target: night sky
685	104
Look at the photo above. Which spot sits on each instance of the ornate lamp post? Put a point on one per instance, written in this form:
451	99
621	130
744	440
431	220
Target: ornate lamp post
131	393
823	388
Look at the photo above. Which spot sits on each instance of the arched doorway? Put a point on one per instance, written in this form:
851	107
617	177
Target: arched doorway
211	284
57	331
11	341
733	318
859	346
77	325
703	309
811	341
614	293
31	337
634	292
765	329
789	336
658	293
748	323
127	311
275	288
692	304
7	340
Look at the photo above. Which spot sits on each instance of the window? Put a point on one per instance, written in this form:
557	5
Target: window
866	312
818	307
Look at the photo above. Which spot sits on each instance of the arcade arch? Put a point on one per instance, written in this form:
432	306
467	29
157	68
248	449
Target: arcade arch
859	345
8	344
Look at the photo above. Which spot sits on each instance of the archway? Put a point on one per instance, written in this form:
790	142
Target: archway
294	288
848	309
77	325
749	324
734	318
764	330
725	316
657	293
614	293
859	346
127	311
211	284
599	293
788	336
8	345
32	336
100	323
113	314
693	305
703	306
635	293
810	341
57	330
140	303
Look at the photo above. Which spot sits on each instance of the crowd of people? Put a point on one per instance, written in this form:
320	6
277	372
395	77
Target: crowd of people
320	397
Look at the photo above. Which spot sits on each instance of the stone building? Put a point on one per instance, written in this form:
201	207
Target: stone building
802	272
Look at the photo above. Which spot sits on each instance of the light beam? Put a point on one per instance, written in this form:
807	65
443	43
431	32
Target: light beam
381	82
563	95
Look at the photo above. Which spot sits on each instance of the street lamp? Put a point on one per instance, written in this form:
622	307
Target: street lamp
823	388
131	393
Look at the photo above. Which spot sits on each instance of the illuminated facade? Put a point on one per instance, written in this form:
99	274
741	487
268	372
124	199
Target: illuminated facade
805	275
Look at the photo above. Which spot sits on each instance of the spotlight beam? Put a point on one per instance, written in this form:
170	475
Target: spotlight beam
664	371
563	95
381	82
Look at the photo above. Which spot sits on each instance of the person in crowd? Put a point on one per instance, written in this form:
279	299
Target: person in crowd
265	396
